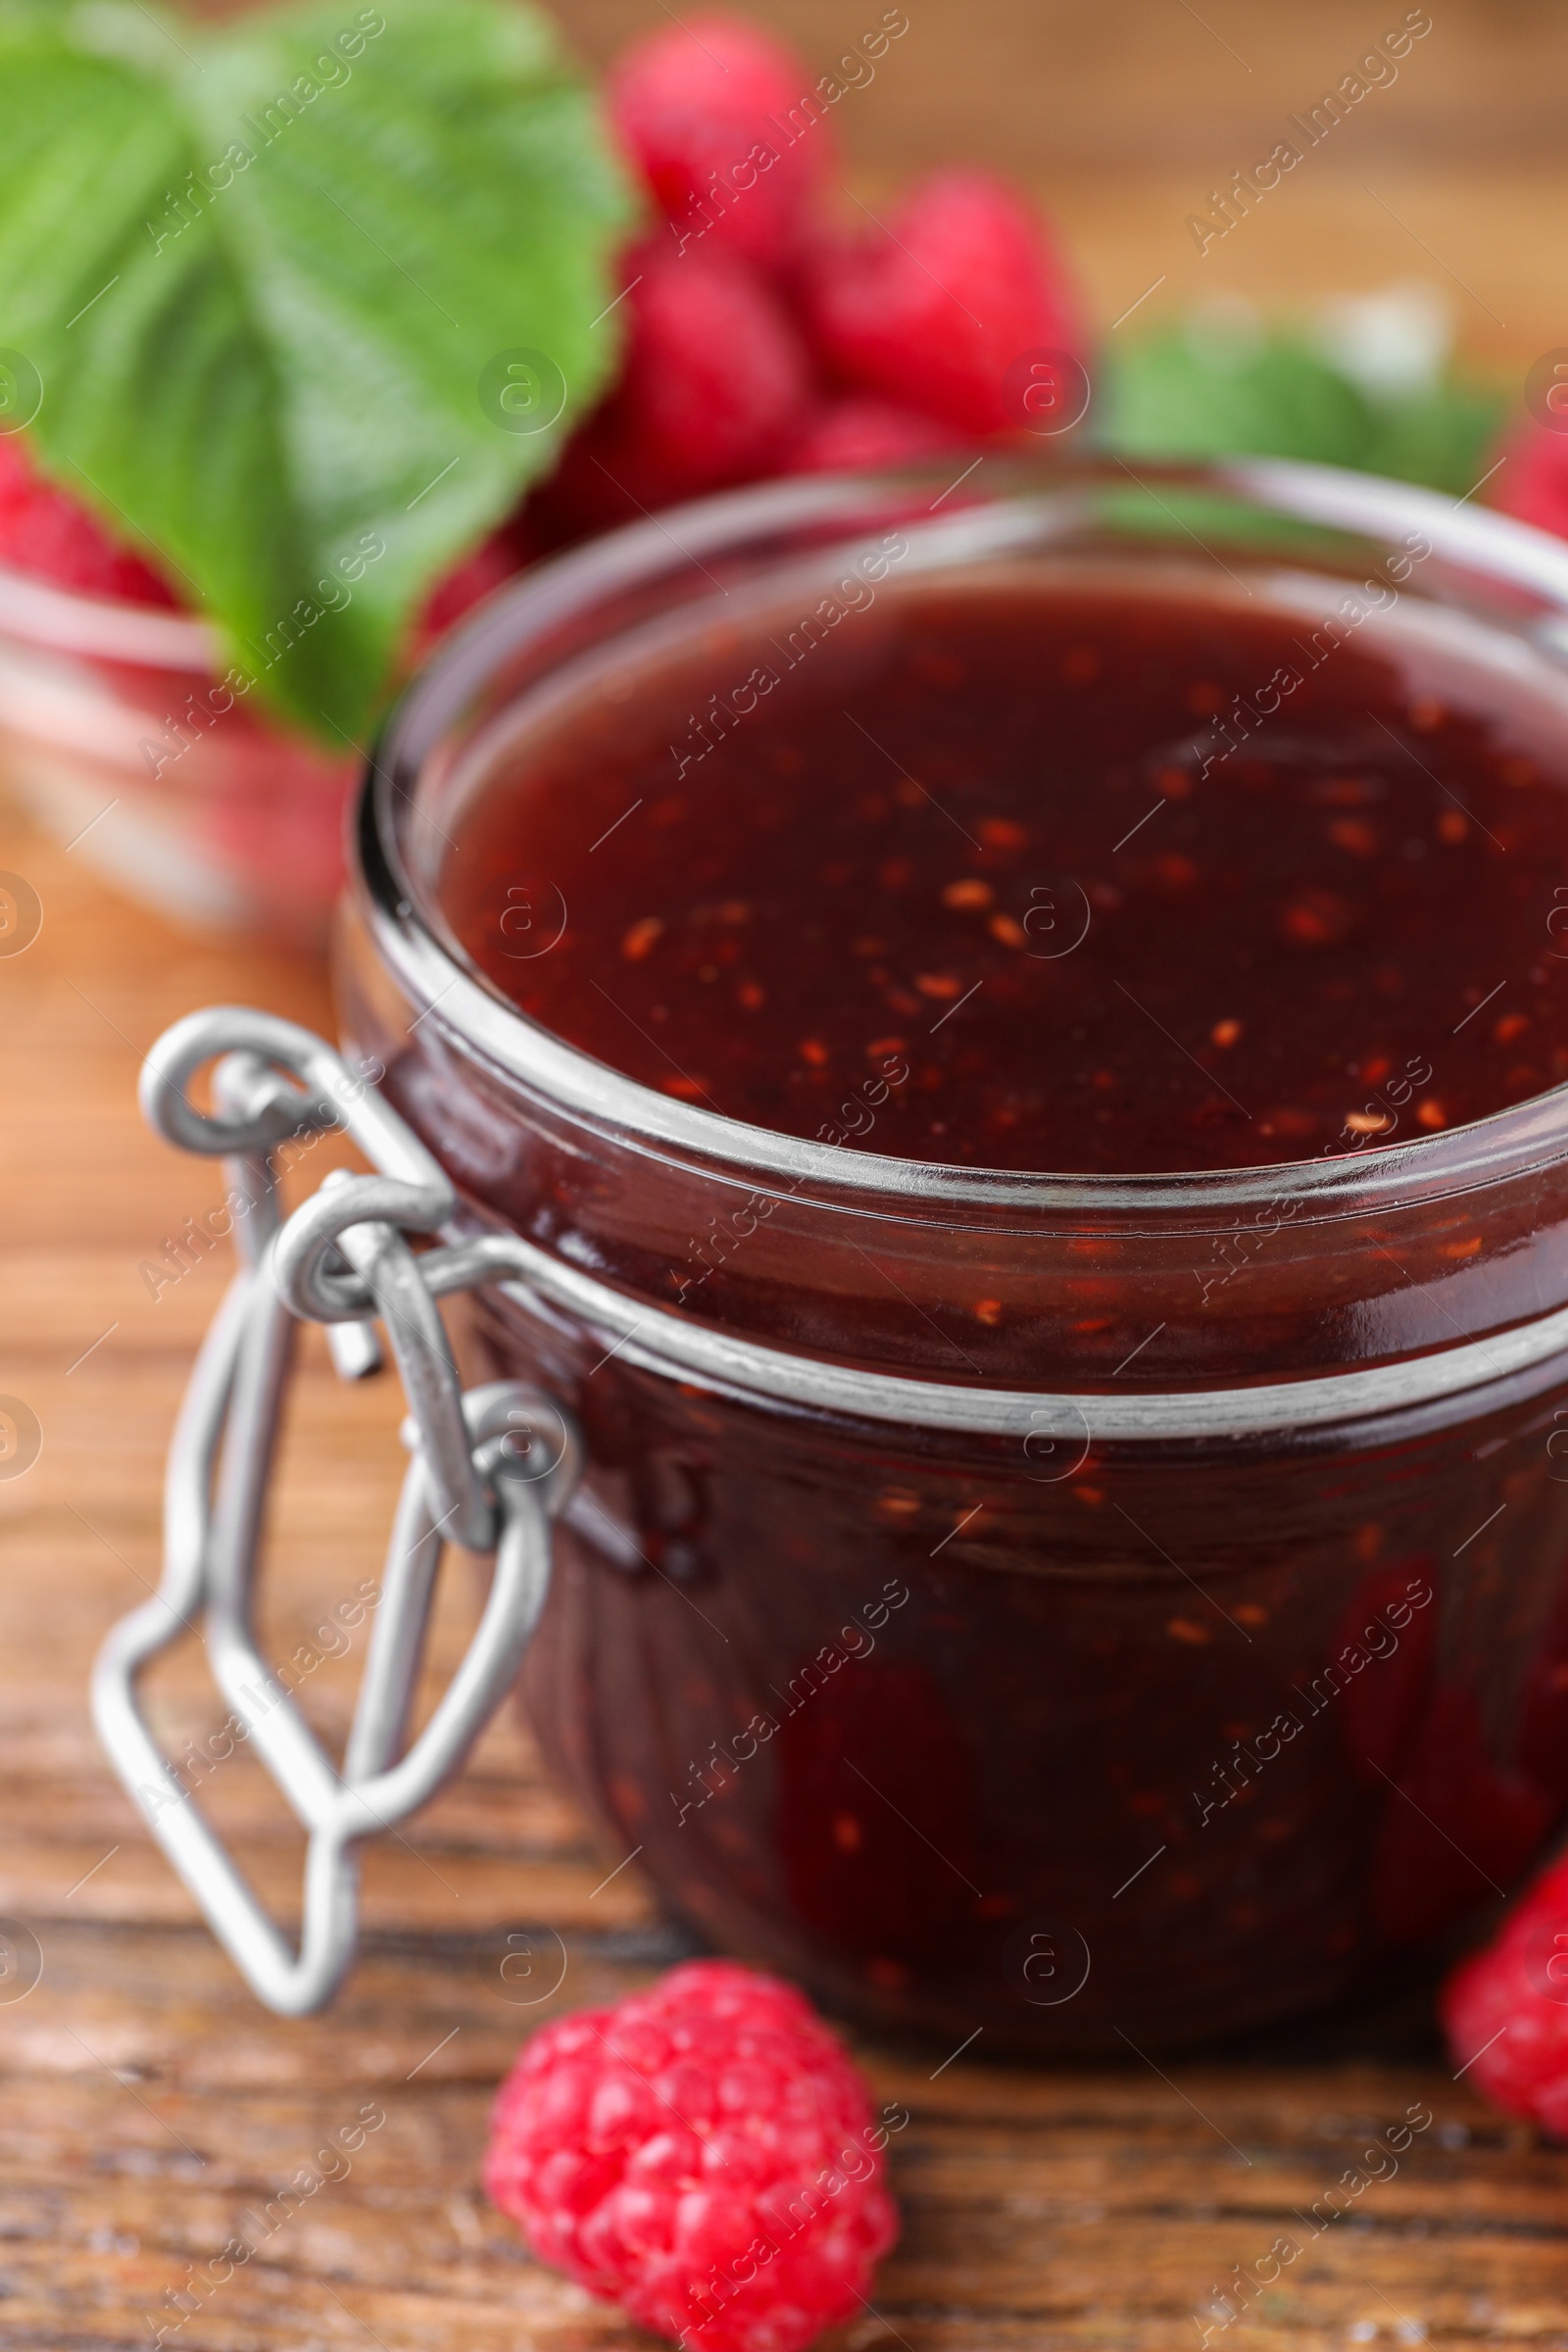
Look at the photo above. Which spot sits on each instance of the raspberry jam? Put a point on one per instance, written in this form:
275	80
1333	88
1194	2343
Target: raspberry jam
1222	885
1009	839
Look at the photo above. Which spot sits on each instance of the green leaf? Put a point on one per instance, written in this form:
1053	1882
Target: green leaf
1443	438
1179	395
1174	397
262	271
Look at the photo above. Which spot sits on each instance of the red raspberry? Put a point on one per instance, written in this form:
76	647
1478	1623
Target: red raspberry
715	386
49	535
936	308
717	115
1507	2008
704	2155
1533	481
855	433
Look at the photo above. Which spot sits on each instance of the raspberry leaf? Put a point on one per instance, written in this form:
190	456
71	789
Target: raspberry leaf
1172	395
1445	437
275	280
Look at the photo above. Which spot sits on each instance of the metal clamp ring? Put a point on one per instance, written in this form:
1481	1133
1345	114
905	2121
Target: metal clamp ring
489	1468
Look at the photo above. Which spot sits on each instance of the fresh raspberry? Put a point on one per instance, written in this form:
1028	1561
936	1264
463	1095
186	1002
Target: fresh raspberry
703	2154
1505	2009
49	535
1531	484
720	120
715	387
855	433
935	308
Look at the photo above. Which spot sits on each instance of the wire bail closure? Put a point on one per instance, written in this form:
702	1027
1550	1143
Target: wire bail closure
489	1469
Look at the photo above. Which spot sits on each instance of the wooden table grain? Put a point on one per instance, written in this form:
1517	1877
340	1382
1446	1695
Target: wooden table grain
150	2112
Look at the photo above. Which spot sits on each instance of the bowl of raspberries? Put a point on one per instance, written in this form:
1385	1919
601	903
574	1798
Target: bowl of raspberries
768	325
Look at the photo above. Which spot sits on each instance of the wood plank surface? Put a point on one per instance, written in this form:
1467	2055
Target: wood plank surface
147	2104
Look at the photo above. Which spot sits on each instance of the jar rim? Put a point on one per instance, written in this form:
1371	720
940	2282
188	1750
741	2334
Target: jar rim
104	628
450	992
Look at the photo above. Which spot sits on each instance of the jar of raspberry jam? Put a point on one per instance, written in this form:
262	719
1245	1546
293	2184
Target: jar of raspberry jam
1023	1023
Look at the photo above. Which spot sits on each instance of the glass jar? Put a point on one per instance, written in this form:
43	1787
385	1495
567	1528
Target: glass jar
925	1628
118	736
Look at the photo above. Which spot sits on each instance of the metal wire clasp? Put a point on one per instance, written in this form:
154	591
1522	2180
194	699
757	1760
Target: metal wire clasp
489	1469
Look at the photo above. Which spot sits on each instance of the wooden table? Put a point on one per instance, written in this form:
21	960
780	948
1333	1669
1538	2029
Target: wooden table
147	2100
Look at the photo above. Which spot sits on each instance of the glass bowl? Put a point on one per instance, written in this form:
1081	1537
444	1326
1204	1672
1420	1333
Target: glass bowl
118	735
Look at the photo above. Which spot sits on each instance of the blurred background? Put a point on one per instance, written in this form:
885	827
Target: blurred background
1122	115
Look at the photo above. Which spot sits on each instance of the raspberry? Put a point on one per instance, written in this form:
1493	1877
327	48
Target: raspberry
49	535
937	307
717	117
1532	483
855	433
1505	2009
714	388
702	2154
